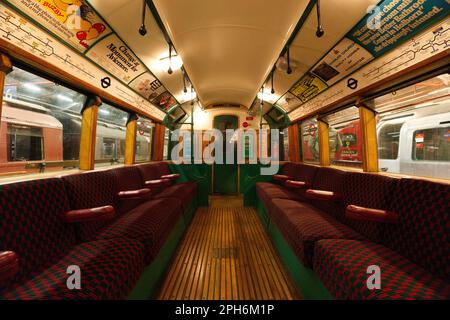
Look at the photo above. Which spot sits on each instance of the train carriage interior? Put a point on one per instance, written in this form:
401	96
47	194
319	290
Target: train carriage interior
225	150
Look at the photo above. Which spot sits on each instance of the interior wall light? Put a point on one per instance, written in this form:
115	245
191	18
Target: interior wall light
143	29
320	32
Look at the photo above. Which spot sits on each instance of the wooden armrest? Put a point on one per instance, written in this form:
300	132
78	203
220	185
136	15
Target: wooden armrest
9	265
133	194
174	176
369	214
281	177
94	214
323	195
296	184
159	183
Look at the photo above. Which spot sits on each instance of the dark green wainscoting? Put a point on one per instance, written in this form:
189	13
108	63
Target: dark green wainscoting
249	175
200	173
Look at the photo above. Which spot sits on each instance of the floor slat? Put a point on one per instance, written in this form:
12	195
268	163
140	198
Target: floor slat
226	255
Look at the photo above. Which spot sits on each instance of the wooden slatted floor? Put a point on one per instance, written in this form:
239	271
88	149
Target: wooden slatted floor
226	255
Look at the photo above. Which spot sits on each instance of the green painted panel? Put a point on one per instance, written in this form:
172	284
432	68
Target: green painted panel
250	174
226	175
201	173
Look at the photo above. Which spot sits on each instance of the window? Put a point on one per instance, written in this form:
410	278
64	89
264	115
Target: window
284	137
345	137
24	143
144	140
41	124
413	129
111	133
432	144
310	141
388	140
166	144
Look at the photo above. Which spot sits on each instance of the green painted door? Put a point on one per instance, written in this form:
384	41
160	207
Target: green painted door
226	175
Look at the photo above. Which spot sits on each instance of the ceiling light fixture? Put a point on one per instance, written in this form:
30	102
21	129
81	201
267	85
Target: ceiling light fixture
174	63
320	32
143	29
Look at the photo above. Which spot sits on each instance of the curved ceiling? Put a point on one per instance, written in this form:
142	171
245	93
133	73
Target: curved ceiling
228	47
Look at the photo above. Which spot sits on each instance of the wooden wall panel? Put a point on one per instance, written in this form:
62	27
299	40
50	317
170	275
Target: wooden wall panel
369	139
294	151
130	141
88	134
158	147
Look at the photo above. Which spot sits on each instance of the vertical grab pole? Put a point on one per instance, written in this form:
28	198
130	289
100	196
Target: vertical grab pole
88	133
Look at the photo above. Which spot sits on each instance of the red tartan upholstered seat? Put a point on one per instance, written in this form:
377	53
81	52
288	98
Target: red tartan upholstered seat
423	232
370	191
128	178
109	270
266	191
91	190
185	192
329	179
150	223
342	267
32	225
303	225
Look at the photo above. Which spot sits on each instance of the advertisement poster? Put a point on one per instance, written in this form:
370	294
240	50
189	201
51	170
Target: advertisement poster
114	56
73	21
164	101
288	102
147	86
20	33
398	20
345	58
308	87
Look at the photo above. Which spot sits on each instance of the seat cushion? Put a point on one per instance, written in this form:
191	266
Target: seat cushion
109	270
422	233
303	225
185	192
150	223
342	267
266	191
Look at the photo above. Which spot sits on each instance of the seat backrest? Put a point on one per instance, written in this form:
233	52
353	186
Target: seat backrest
162	168
149	171
371	191
305	172
90	190
288	169
128	178
31	224
423	232
329	179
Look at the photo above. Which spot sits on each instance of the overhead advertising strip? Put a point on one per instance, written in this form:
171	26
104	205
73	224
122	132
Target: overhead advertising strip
83	29
434	40
19	32
390	24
